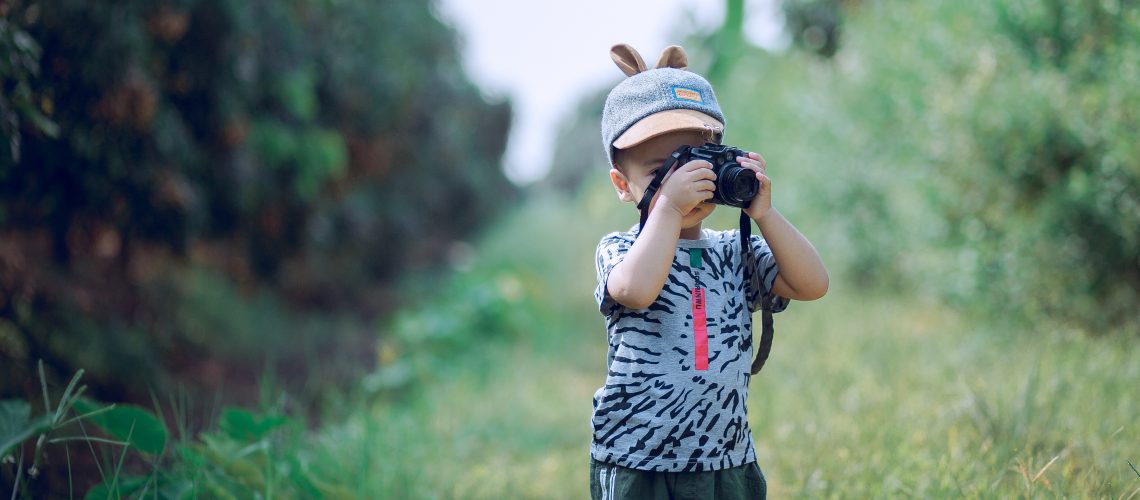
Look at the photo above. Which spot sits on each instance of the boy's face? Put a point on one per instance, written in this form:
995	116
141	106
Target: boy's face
638	164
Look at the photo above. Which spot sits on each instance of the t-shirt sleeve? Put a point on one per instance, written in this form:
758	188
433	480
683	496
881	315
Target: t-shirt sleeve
762	272
611	251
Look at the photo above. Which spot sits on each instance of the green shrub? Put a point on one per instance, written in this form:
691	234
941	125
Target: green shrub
983	151
1024	137
226	170
245	455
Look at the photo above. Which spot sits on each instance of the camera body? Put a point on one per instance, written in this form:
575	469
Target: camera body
735	185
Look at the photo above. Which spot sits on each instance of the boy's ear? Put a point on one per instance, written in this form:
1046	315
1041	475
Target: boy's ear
621	185
627	59
673	57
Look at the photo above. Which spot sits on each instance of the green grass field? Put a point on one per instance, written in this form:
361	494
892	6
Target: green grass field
866	394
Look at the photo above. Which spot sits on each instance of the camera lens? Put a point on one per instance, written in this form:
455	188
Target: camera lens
737	185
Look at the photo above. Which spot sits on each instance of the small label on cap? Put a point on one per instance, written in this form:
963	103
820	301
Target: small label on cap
685	94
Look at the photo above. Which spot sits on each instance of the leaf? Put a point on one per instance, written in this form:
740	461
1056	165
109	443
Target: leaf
244	426
274	142
221	451
298	94
321	156
331	490
17	425
39	120
123	486
183	489
129	423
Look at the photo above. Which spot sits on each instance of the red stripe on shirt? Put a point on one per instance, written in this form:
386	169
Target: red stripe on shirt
700	333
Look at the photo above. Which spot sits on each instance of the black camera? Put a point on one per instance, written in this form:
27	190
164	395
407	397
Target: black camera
735	185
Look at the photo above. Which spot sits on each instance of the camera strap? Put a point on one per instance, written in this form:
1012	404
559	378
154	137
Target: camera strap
655	184
766	328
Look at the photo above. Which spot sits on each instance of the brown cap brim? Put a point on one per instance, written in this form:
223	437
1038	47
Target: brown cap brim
670	120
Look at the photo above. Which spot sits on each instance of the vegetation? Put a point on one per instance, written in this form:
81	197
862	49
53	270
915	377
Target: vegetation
241	459
979	151
994	133
967	170
201	194
865	395
184	183
869	394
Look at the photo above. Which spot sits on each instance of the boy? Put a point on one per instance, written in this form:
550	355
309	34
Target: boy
671	420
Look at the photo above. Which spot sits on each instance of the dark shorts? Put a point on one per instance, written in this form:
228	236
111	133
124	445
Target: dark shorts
608	481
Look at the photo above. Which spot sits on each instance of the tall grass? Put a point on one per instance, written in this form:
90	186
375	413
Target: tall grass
484	380
866	394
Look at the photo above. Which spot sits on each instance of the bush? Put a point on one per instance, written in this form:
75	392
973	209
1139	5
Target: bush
984	151
200	195
126	451
233	183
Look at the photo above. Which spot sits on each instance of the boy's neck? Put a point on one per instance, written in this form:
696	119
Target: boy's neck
691	233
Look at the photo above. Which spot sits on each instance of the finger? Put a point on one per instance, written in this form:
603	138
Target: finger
757	157
752	159
765	181
675	172
706	186
749	164
696	164
704	174
700	174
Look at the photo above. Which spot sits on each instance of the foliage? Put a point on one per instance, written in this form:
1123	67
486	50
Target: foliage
493	295
130	424
18	427
226	166
815	25
866	395
17	104
578	154
250	455
981	151
1018	144
246	455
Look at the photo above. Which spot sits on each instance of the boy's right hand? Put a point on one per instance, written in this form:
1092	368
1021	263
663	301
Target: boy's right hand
686	187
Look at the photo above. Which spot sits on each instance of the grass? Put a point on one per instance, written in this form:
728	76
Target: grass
866	395
486	382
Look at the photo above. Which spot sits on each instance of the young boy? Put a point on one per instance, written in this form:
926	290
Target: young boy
671	421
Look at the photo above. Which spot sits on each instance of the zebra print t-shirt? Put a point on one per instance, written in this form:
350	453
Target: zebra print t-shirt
656	411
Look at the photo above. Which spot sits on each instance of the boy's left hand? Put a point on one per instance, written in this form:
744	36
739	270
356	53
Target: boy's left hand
762	203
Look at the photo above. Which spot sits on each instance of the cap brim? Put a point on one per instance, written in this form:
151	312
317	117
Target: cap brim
664	122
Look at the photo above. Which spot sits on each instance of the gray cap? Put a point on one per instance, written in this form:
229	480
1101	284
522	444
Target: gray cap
657	101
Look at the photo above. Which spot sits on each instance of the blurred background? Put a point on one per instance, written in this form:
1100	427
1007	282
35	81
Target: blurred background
344	248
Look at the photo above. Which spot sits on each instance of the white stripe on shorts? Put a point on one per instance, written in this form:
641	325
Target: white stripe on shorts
602	482
613	479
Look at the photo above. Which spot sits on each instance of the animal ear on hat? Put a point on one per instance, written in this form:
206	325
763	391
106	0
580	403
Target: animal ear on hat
627	59
673	57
